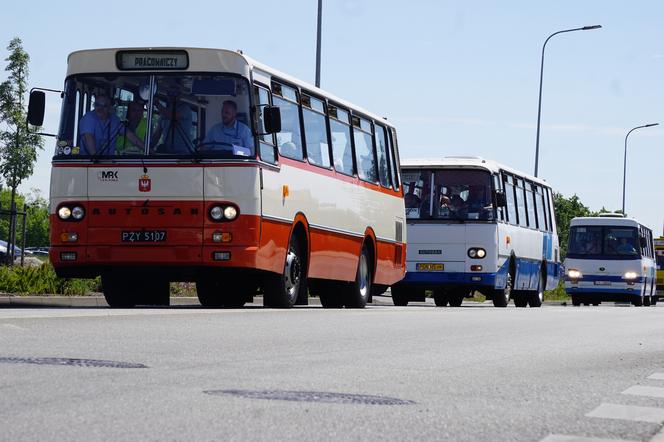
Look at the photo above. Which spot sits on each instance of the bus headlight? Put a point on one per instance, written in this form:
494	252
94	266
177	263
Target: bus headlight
216	213
78	213
630	276
230	213
64	213
574	274
476	253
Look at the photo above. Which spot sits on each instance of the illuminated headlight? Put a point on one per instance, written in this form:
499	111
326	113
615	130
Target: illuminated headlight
78	212
476	253
64	213
481	253
230	213
216	213
573	274
630	275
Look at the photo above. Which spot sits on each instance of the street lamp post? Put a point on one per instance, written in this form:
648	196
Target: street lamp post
625	160
318	38
539	105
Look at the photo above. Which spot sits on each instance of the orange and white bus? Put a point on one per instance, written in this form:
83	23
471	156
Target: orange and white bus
204	165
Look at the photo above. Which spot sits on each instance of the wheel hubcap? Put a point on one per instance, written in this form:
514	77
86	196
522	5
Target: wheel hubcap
364	276
292	273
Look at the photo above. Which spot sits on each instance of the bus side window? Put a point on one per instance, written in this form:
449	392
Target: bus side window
520	202
342	150
511	202
315	131
289	140
267	150
365	156
498	188
392	139
549	209
530	205
383	160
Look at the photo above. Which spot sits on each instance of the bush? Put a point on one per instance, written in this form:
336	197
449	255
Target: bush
43	280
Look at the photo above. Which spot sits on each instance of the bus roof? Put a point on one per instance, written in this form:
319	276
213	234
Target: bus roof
605	221
468	162
90	61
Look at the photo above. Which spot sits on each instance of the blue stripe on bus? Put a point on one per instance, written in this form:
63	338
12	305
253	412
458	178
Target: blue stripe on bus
450	278
598	290
611	278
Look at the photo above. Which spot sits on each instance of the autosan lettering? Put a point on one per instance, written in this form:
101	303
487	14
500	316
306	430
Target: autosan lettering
160	211
107	175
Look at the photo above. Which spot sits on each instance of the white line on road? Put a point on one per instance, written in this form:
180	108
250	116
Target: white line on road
644	390
657	376
629	412
566	438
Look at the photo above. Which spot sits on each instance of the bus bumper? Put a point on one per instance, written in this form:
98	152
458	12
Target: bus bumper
452	279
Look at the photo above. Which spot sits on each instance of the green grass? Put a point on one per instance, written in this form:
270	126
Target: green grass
43	280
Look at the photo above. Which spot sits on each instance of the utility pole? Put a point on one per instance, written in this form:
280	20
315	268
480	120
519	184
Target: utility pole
318	38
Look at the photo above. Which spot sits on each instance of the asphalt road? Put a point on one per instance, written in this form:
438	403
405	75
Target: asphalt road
473	373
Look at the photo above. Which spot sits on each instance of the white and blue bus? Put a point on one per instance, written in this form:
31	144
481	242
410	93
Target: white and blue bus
610	258
476	225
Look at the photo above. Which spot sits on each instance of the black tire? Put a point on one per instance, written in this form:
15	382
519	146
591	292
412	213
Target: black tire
399	296
329	294
156	292
283	291
440	298
638	302
520	298
576	300
209	292
502	297
118	291
646	301
358	292
595	304
536	297
456	299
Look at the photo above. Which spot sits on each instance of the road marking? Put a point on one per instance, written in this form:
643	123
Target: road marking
644	390
629	412
657	376
566	438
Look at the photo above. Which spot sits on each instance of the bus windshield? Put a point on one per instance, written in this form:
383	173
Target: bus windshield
195	116
448	194
598	241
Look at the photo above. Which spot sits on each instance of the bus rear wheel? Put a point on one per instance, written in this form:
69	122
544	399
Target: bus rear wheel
456	298
399	296
119	291
440	298
520	299
577	300
358	292
282	291
536	297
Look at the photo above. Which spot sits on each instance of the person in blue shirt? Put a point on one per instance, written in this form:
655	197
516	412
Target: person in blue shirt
230	131
99	129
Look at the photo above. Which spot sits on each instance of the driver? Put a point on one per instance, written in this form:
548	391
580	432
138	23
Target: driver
230	130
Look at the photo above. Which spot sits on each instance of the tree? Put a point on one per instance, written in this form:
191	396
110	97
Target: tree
566	209
18	145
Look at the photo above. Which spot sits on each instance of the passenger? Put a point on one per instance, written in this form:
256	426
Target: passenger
626	247
100	127
230	130
138	124
410	198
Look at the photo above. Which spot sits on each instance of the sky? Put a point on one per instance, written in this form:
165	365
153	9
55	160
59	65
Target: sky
455	77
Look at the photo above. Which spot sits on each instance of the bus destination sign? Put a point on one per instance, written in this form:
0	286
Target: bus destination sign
152	60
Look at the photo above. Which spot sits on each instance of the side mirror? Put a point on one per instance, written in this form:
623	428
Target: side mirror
36	108
501	199
272	119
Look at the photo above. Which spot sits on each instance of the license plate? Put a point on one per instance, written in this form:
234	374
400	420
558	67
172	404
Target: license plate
430	267
144	236
602	282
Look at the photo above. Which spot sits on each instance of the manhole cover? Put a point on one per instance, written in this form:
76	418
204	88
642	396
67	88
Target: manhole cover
71	361
312	396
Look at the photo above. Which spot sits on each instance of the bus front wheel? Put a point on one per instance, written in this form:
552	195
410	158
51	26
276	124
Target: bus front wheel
399	296
282	291
358	292
502	297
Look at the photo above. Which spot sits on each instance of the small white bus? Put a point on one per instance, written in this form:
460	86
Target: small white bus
476	225
610	258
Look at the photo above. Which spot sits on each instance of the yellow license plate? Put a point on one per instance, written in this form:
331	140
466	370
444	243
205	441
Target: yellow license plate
430	267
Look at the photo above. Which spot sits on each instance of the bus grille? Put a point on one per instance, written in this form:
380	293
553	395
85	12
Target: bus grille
399	231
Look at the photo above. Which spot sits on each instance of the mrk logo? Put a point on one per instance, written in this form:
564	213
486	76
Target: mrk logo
107	175
144	183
